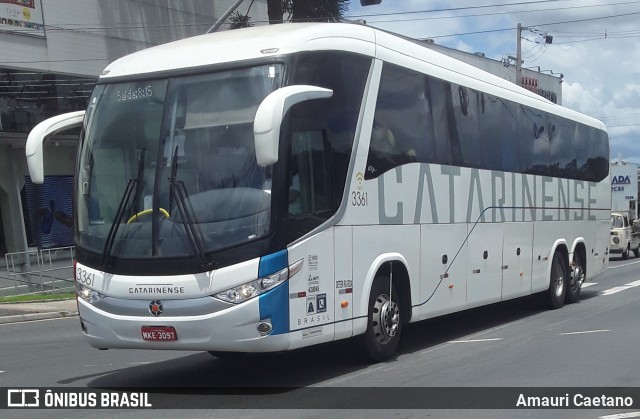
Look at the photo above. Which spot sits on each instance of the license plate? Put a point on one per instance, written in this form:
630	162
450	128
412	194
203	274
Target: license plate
159	333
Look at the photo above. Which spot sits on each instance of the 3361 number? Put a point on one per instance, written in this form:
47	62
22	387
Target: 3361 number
359	199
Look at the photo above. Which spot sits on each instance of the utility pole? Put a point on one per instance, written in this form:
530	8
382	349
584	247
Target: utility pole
519	55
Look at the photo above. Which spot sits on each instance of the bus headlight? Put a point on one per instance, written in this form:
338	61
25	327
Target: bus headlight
87	294
616	240
254	288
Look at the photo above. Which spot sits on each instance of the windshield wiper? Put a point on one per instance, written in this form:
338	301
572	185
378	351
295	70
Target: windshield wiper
138	196
108	245
178	191
111	236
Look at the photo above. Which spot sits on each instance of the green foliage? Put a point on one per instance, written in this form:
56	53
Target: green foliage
306	10
238	20
38	297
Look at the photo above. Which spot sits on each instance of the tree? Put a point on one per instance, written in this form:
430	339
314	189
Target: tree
306	10
238	20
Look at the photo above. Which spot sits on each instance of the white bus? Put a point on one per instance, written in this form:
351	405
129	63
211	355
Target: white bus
276	187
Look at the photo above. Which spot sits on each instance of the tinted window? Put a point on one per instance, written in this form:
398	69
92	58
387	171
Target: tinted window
500	143
425	119
465	111
320	136
402	130
533	130
439	94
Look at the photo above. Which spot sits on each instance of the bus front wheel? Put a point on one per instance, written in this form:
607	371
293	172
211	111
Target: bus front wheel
384	324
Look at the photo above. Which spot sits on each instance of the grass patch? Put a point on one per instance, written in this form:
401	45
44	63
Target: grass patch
38	297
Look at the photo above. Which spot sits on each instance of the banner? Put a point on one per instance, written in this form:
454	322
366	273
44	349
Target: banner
344	398
22	17
50	212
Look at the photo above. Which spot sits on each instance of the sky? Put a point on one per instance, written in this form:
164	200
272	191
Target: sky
595	46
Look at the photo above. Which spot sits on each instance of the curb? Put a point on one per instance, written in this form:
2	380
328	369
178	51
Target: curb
18	318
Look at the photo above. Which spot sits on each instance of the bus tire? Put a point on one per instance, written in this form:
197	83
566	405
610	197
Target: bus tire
384	325
557	291
578	275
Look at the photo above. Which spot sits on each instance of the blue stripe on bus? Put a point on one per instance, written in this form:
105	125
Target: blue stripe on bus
273	263
274	304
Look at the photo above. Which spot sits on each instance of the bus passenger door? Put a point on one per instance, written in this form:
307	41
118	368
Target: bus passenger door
310	203
484	275
311	295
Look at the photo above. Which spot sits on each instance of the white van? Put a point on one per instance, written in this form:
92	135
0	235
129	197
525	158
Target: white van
624	236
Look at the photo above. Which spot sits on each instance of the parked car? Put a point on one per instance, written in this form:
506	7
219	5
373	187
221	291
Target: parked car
625	235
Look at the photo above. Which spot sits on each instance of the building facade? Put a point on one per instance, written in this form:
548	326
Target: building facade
546	85
624	188
52	54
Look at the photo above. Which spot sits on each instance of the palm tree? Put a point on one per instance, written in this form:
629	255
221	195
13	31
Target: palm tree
238	20
306	10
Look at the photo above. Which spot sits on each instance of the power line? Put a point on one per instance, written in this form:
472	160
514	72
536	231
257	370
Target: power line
495	13
539	24
450	9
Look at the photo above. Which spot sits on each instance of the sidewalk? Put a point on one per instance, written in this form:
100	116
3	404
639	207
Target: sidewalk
23	312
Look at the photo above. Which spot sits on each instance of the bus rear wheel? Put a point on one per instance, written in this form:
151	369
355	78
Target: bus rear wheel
384	324
557	291
578	274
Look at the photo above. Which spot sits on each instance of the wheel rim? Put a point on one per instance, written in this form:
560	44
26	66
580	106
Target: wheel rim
578	276
559	280
386	319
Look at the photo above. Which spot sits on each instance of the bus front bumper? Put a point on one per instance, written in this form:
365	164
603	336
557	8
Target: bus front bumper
234	329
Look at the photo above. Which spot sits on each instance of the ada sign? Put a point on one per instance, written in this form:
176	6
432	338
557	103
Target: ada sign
620	180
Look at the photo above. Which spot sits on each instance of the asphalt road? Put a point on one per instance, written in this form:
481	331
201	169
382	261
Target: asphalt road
516	344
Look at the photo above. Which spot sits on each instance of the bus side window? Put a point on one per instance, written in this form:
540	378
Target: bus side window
310	188
466	120
562	150
401	130
499	138
533	130
440	104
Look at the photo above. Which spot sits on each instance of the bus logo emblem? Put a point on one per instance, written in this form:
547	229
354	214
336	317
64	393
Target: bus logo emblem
155	308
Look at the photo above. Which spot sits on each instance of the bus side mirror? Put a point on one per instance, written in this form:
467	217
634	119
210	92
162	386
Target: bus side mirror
39	133
266	125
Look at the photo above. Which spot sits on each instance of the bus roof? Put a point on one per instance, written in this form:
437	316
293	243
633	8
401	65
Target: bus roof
244	44
283	39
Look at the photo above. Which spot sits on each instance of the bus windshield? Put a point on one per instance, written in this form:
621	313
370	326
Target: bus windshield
167	167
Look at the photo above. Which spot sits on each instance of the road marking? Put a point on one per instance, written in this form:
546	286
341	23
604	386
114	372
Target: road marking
615	290
117	365
588	284
626	264
584	332
474	340
621	416
624	287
